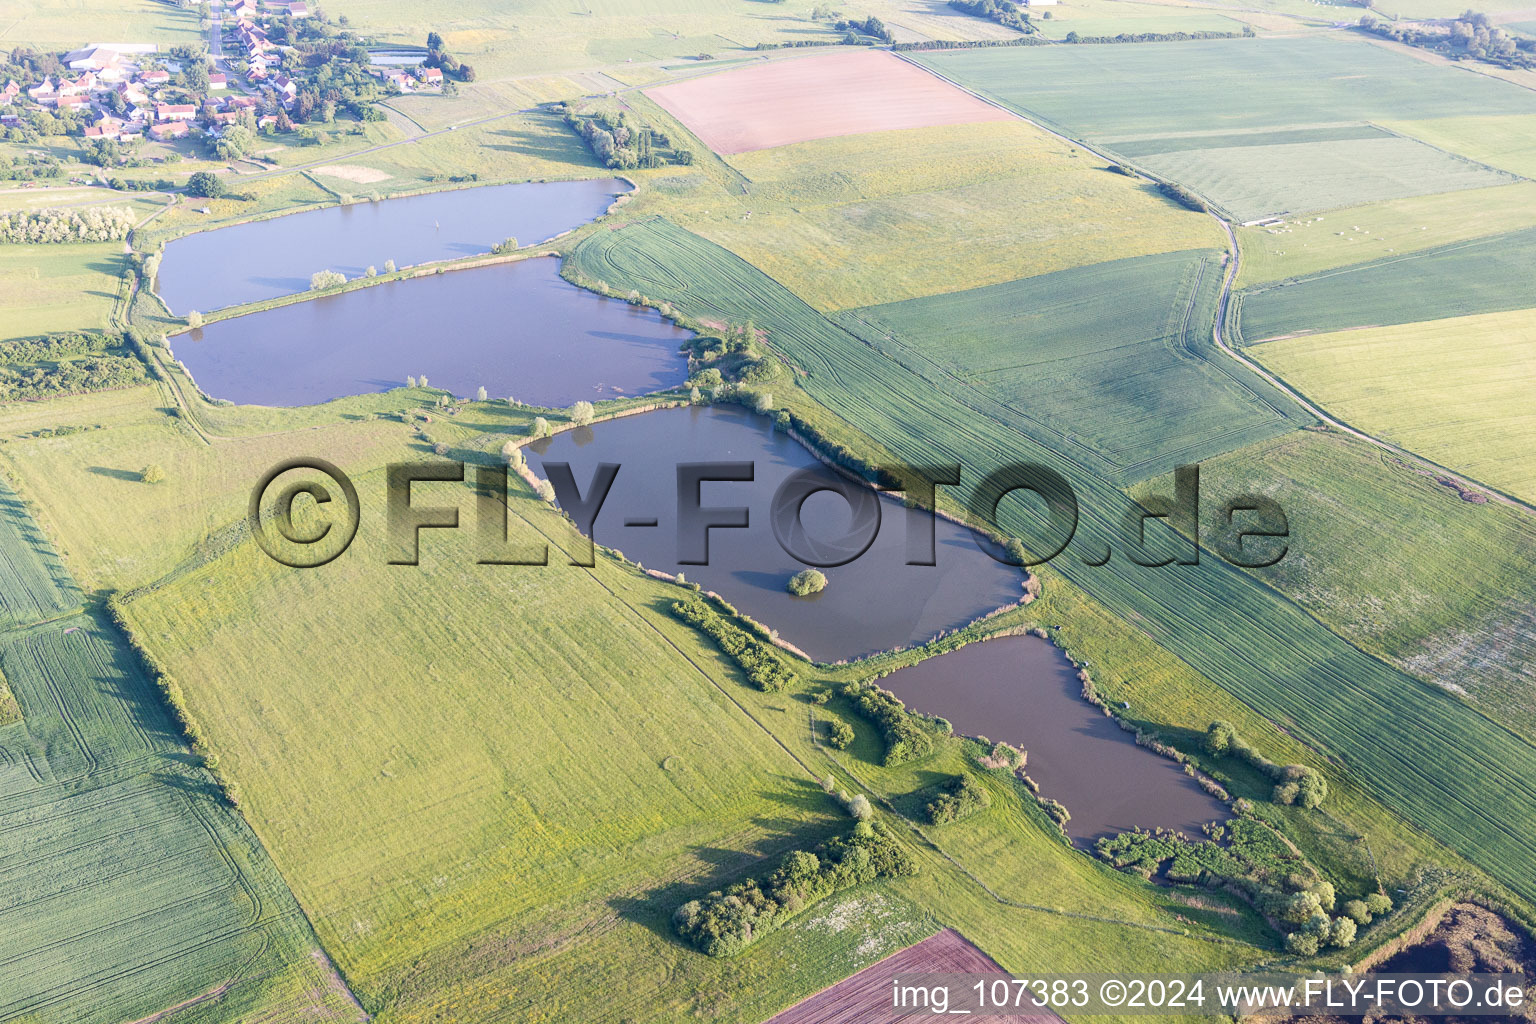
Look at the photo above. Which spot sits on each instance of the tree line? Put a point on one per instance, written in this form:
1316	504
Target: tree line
58	226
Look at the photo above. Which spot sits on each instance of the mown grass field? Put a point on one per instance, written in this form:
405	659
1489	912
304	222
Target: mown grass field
1252	182
1396	562
1507	142
1484	275
1105	358
58	287
131	885
1306	245
1463	778
1457	391
895	215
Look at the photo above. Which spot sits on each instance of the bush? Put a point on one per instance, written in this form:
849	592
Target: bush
152	474
957	799
1357	911
905	738
1219	737
1301	944
1342	932
859	808
540	427
807	582
839	735
758	660
1378	903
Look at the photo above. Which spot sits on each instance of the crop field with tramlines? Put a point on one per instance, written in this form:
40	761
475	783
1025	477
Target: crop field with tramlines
1457	391
1126	381
1296	141
130	885
33	585
1461	777
1396	561
1484	275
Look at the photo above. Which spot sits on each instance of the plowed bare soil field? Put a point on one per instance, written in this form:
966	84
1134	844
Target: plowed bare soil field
865	998
788	101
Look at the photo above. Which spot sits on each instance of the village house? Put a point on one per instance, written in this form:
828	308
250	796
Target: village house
92	58
285	87
169	130
217	81
9	93
79	87
242	102
150	79
72	103
42	92
133	93
175	112
298	9
430	76
106	128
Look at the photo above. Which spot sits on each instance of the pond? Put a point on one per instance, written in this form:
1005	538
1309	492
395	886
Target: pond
874	603
516	329
265	259
1023	691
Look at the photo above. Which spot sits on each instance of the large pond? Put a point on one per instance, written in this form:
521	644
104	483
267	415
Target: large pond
516	329
874	603
262	260
1023	691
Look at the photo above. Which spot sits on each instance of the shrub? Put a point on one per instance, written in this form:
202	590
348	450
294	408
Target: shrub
1301	944
152	474
1218	738
758	660
957	799
820	697
440	449
905	738
859	808
581	413
545	490
807	582
1378	903
839	735
1357	911
1342	932
540	427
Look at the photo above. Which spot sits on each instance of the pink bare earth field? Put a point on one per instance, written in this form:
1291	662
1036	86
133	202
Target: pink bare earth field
865	998
820	97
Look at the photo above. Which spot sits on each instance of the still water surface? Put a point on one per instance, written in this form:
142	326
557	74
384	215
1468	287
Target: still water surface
517	329
263	260
873	603
1023	691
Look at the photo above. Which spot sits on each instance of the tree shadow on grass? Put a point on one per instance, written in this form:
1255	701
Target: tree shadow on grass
115	474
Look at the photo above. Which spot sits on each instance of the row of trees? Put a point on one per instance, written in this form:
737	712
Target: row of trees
70	377
53	225
621	144
726	922
759	660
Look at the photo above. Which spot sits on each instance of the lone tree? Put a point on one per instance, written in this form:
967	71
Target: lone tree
205	184
480	394
194	319
839	735
540	427
320	280
807	582
389	266
581	413
152	474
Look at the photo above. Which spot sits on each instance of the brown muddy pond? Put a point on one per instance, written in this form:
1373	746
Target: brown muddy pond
1023	691
875	602
516	329
265	259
